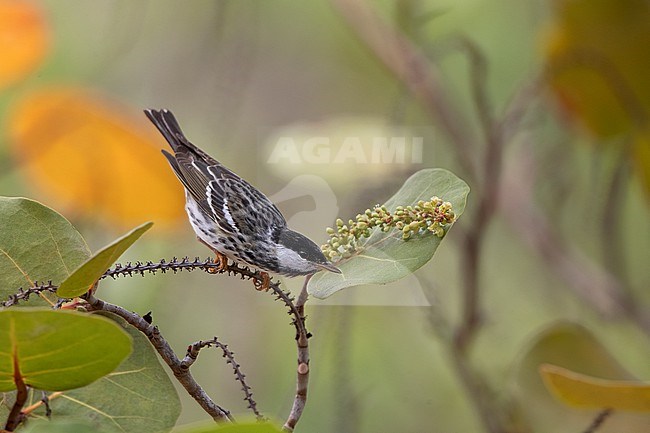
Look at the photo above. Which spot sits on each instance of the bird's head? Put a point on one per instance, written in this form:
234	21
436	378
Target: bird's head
299	255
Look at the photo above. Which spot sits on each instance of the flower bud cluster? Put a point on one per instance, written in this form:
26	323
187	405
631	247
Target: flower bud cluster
426	216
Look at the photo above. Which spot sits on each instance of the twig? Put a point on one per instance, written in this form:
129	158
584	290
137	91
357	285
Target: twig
23	295
44	401
181	373
302	372
193	353
599	420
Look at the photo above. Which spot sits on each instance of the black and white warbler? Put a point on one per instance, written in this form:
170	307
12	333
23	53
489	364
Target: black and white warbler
231	216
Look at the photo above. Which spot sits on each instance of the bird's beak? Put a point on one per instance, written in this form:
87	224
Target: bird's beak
329	267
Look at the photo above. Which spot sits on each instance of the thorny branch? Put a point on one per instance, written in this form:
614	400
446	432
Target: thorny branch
180	368
165	351
193	353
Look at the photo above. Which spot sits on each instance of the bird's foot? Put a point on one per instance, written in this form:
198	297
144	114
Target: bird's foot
221	262
263	284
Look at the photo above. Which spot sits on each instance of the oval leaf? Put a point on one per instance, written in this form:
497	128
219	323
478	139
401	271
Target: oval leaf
36	244
580	390
80	281
96	158
58	350
148	401
384	257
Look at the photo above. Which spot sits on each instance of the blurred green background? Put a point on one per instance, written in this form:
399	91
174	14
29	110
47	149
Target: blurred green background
239	74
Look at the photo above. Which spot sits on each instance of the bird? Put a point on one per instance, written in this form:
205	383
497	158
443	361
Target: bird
232	217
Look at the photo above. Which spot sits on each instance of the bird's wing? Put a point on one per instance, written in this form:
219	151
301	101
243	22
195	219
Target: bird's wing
243	207
234	204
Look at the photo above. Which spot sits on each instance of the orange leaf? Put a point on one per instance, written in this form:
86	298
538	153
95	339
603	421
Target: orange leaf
579	390
24	39
92	156
597	53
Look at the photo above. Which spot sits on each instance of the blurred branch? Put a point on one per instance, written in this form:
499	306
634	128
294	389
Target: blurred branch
405	60
603	291
590	282
478	68
598	421
411	67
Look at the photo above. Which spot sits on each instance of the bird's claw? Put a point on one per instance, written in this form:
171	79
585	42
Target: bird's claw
220	263
263	284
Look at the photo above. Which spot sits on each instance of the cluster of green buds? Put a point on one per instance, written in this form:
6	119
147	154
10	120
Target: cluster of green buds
433	216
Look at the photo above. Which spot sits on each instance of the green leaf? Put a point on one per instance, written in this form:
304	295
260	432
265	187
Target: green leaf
81	280
384	257
235	428
58	350
59	426
136	397
36	244
580	390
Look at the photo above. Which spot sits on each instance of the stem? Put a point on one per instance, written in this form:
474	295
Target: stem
302	372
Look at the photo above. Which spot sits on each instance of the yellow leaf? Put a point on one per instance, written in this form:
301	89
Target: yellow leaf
94	157
597	55
579	390
24	39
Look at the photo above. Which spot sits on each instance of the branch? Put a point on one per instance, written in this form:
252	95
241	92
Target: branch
22	295
163	348
181	368
193	353
302	372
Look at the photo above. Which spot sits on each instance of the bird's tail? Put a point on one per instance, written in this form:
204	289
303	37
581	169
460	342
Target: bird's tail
169	128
